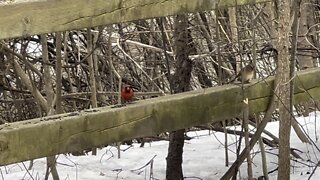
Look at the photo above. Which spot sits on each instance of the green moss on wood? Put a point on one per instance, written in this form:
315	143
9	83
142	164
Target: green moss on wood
75	131
33	16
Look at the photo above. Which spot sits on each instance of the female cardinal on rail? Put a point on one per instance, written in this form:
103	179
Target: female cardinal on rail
127	93
246	74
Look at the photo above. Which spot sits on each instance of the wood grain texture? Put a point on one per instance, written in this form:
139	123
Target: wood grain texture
97	127
25	18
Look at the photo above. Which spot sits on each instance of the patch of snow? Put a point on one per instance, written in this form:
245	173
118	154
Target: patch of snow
203	158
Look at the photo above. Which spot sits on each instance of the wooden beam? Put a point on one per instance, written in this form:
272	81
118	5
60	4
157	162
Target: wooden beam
25	18
97	127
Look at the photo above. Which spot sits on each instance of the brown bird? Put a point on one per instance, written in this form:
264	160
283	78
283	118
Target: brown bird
127	93
246	73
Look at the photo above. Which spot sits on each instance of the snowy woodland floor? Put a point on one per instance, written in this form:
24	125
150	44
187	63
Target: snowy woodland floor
203	159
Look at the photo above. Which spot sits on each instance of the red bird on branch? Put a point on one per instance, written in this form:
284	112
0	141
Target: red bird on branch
127	93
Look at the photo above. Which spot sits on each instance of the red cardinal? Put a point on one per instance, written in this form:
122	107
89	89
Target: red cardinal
127	93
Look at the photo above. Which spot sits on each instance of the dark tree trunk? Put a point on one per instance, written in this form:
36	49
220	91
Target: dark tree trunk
283	89
202	74
174	159
180	83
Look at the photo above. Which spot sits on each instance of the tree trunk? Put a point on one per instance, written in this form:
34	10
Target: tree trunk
283	89
51	160
174	158
304	58
92	78
180	83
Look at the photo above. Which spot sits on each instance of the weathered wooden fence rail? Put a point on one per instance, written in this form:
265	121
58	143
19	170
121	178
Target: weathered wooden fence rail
79	130
29	17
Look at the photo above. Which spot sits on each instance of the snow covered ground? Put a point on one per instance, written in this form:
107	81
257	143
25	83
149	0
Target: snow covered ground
203	159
